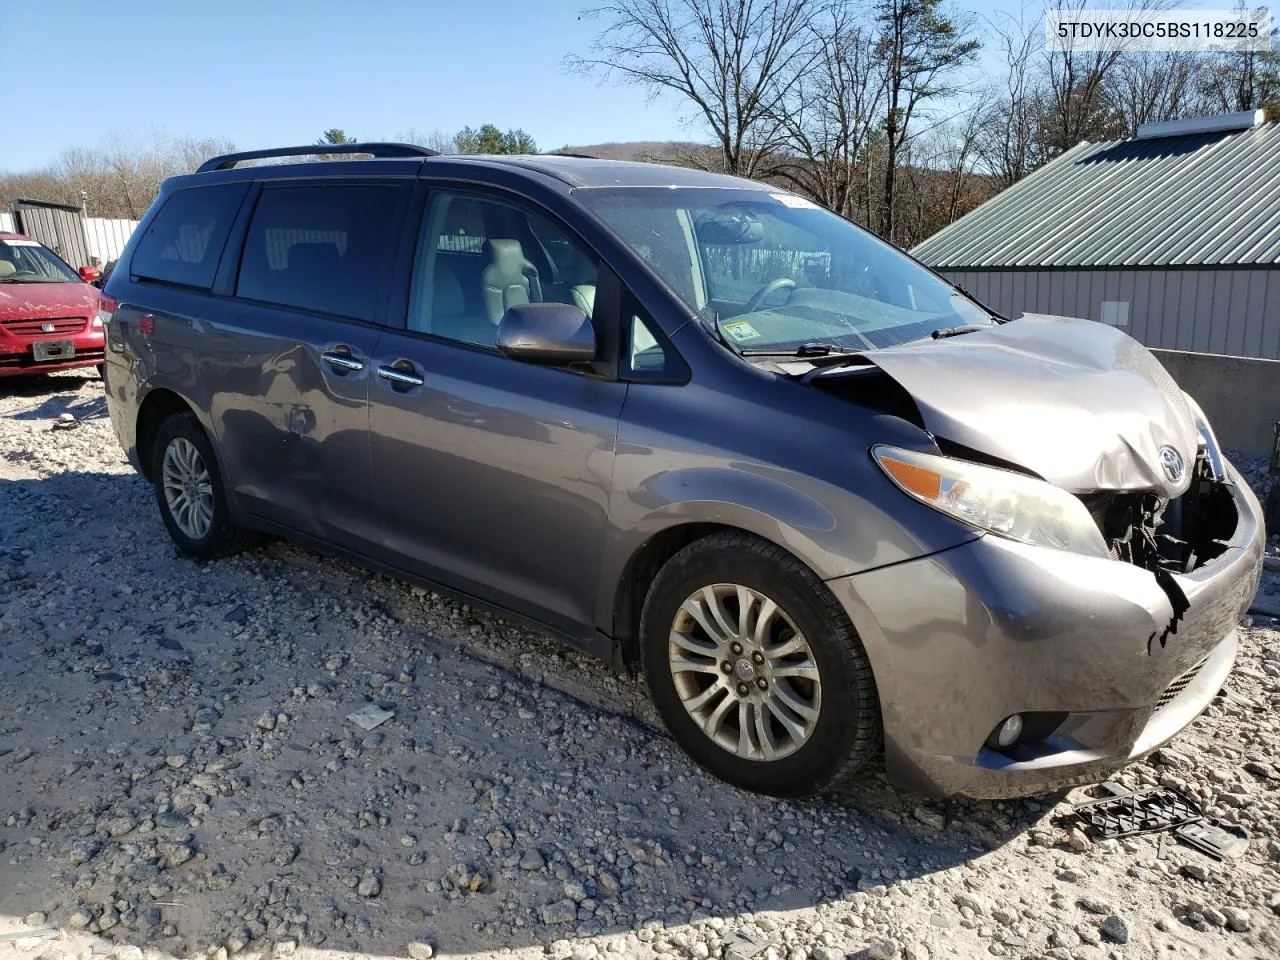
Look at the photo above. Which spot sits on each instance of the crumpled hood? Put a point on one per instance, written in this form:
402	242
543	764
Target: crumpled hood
44	301
1080	403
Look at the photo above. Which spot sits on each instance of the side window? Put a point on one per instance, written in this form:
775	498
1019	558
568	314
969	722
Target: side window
644	356
644	353
477	257
320	247
184	241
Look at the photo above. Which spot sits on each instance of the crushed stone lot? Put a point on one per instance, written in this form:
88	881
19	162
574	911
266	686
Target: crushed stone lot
179	776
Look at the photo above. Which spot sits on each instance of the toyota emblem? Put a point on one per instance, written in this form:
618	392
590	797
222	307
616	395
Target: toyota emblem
1171	461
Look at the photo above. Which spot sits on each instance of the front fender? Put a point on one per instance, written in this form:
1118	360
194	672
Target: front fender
833	530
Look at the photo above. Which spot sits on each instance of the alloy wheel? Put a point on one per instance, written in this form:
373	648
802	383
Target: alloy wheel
188	488
744	672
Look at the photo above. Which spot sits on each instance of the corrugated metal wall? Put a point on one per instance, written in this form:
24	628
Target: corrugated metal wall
107	238
1228	311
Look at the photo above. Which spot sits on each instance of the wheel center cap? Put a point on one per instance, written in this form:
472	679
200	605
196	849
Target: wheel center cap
745	670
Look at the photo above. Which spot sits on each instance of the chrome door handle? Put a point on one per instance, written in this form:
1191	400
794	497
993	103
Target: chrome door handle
342	361
400	378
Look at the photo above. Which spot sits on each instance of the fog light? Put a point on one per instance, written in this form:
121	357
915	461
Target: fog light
1007	733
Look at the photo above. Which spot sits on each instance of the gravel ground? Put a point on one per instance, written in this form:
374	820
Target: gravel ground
178	777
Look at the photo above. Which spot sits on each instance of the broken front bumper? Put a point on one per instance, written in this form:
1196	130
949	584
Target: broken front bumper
964	638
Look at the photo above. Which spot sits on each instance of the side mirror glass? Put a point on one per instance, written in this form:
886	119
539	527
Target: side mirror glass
547	333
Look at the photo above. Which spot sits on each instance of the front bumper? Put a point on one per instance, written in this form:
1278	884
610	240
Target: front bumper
17	359
962	639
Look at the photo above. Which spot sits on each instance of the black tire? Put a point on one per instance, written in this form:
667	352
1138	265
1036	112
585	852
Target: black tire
847	734
223	538
102	371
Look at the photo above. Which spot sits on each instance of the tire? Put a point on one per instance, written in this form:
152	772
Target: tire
843	737
206	532
102	371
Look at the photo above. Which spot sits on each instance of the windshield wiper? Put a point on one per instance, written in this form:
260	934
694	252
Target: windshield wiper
18	279
945	332
804	350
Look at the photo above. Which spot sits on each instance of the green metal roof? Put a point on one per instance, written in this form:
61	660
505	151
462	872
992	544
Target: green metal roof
1205	199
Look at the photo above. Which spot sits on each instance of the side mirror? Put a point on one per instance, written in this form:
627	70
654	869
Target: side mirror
89	274
547	332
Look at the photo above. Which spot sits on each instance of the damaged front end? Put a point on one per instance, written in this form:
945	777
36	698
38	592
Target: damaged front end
1079	406
1167	536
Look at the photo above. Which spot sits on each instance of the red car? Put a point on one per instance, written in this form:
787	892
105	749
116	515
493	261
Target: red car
49	316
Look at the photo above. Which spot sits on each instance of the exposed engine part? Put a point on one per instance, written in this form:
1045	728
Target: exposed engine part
1168	536
1172	535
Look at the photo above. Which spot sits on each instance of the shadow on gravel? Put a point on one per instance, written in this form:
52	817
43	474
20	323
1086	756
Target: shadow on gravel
64	401
177	770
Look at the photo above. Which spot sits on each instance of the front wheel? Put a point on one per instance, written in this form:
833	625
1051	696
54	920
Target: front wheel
189	491
756	669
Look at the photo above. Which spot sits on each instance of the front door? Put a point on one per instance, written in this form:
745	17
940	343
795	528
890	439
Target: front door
494	474
295	348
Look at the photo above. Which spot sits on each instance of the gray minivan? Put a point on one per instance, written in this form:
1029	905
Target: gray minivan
836	508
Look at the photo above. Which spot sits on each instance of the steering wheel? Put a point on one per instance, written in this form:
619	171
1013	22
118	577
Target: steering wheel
773	286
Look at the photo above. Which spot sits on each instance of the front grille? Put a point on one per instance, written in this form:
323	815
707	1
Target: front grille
35	328
1179	684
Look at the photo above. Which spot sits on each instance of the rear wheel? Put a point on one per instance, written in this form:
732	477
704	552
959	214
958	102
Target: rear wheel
756	669
189	491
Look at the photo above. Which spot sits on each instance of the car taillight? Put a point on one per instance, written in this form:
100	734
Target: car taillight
146	324
106	310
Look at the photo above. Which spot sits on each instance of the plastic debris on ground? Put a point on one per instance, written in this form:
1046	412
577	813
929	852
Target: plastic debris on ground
370	716
1122	813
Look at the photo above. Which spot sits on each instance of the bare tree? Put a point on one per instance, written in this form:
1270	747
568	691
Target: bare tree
1006	138
831	112
923	47
1245	80
1151	87
435	139
733	61
118	178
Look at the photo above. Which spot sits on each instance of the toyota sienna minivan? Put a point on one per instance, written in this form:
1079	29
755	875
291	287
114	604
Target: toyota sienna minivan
835	508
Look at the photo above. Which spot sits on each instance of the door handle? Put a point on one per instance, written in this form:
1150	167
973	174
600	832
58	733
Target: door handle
401	378
342	360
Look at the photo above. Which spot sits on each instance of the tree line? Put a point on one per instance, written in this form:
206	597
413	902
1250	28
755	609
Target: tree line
899	114
122	175
881	109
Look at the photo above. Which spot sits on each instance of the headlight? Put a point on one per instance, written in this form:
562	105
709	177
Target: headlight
1213	454
1000	501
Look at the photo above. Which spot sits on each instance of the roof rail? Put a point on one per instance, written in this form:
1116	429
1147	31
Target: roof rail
229	160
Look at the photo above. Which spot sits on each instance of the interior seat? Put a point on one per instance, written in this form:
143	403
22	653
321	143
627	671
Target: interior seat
7	269
584	296
508	279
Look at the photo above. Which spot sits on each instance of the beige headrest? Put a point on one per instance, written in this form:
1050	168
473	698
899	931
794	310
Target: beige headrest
7	268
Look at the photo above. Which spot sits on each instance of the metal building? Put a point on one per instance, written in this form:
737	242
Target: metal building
1173	235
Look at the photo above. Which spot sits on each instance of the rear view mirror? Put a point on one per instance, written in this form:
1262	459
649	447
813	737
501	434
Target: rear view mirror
89	274
547	332
728	229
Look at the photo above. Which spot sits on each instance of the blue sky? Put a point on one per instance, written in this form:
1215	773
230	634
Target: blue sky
272	72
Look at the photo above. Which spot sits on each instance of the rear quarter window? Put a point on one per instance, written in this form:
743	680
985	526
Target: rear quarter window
184	240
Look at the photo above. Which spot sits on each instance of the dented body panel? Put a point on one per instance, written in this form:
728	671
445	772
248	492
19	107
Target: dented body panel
1078	403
